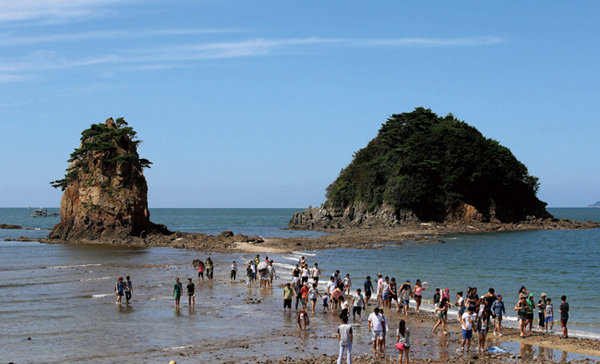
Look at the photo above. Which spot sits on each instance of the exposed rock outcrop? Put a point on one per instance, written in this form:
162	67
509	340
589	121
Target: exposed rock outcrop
106	195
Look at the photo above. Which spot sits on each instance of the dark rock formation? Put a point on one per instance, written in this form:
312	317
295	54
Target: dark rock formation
105	192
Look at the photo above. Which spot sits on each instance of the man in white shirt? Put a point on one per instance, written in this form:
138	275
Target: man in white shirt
330	286
376	329
467	328
358	303
345	337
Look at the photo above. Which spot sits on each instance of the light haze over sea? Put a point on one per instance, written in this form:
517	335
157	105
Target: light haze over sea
62	295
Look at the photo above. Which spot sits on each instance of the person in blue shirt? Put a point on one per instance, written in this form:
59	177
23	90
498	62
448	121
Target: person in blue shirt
498	310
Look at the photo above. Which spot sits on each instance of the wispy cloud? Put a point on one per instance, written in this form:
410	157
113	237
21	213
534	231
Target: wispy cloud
169	56
8	40
18	10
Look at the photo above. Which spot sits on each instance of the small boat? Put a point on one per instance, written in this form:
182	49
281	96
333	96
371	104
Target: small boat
43	213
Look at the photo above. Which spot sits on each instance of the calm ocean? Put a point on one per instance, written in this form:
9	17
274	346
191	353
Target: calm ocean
62	295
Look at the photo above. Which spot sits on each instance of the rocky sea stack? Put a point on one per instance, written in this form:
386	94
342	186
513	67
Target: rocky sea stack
105	193
425	168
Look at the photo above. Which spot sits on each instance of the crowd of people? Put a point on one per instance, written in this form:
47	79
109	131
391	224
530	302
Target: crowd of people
475	313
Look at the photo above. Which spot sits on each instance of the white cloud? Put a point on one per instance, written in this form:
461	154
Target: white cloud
18	10
148	59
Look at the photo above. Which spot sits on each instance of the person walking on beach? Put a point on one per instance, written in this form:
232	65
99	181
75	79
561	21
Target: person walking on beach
249	275
384	329
467	328
347	284
209	269
272	273
385	292
483	325
191	291
316	273
374	326
521	309
498	309
345	337
379	289
305	274
303	319
336	298
403	341
233	271
120	289
358	304
128	289
541	307
297	292
472	298
442	310
418	294
368	287
530	310
253	268
287	297
564	316
394	294
549	316
405	293
177	291
200	271
460	304
312	296
295	274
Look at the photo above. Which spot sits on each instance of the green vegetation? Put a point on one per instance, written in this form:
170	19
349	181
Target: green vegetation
425	163
105	139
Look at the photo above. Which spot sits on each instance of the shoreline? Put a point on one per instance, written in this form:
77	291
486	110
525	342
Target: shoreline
357	238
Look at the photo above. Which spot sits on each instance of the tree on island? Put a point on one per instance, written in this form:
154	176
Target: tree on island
105	193
429	165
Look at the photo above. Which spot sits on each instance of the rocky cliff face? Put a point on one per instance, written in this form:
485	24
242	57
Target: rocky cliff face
105	193
386	216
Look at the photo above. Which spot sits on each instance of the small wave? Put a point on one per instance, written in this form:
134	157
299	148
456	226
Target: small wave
94	279
295	259
176	348
101	295
306	254
72	266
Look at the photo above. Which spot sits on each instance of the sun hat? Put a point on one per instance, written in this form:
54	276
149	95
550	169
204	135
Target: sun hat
543	295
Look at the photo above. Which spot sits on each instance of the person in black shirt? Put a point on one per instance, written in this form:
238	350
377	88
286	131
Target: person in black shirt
564	316
191	291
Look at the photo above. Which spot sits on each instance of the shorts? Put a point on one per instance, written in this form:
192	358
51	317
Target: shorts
467	334
356	310
304	279
209	274
482	332
385	296
549	319
287	304
376	334
461	311
191	294
294	280
367	293
418	296
563	322
393	297
177	295
314	299
441	314
200	274
530	316
405	302
325	302
316	279
499	318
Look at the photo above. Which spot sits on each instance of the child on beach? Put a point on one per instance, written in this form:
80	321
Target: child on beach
460	304
498	309
347	284
303	320
549	315
521	309
325	299
442	310
418	294
200	271
483	325
249	275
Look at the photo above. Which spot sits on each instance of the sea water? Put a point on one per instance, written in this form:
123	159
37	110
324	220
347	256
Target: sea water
62	296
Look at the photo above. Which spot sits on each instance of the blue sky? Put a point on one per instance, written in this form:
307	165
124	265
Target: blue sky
262	103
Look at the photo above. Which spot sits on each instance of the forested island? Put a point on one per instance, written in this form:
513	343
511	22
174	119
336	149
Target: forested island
425	168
